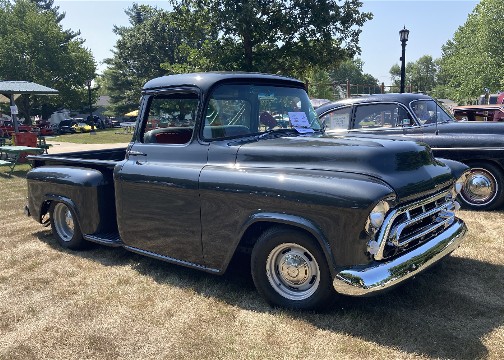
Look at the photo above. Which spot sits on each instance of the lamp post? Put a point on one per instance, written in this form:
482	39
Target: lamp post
88	84
403	35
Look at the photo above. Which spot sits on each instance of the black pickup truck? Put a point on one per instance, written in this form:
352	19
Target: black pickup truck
228	163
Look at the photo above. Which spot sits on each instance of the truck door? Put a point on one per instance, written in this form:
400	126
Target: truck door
157	195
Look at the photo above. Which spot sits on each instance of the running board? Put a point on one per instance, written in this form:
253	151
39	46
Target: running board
110	239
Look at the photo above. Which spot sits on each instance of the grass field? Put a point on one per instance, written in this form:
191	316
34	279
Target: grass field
106	136
107	303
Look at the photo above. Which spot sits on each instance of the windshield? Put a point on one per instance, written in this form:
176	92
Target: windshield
429	112
235	110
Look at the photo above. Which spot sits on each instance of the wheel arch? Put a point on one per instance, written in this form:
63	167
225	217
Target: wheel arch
261	222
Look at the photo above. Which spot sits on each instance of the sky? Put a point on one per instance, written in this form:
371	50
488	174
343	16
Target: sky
431	24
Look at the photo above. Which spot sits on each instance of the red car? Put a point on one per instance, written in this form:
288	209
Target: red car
44	128
479	112
7	128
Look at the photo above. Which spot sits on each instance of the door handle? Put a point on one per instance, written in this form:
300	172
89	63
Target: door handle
136	153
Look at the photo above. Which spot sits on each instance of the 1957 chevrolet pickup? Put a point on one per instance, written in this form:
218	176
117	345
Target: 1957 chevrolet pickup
222	163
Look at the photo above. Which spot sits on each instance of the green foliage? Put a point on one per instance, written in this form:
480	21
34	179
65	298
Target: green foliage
287	37
474	59
156	43
421	75
34	47
290	38
332	84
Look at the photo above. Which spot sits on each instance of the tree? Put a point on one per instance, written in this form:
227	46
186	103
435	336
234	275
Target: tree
474	59
34	47
280	36
156	43
421	75
352	71
331	84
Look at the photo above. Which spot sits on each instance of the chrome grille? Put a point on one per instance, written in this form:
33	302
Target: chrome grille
415	223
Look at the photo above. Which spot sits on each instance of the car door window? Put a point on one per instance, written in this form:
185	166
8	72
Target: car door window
337	120
171	119
381	116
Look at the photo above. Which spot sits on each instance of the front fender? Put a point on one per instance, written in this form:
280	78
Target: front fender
294	221
457	168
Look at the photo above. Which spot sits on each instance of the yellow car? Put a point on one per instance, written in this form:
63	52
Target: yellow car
82	127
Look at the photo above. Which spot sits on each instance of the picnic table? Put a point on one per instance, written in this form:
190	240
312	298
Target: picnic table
128	127
11	155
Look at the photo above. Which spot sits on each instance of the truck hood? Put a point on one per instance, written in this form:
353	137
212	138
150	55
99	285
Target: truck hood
407	167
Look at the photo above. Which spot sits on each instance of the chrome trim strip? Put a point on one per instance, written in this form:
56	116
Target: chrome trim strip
389	220
376	277
397	230
471	148
171	260
425	232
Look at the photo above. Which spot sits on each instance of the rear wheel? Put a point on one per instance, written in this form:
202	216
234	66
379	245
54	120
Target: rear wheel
65	226
290	270
483	187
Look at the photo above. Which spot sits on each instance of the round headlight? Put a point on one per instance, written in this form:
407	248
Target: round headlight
377	215
459	184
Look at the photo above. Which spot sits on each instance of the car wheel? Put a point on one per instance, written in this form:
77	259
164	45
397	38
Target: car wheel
483	187
290	270
65	226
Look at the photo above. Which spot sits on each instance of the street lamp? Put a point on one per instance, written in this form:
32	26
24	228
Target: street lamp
88	84
403	35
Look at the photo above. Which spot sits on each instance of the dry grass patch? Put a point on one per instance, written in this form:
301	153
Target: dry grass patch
111	304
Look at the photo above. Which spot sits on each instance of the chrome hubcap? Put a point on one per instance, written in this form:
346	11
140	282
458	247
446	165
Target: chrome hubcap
480	187
63	222
292	271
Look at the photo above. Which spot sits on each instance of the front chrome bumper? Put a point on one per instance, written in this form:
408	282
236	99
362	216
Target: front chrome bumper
379	276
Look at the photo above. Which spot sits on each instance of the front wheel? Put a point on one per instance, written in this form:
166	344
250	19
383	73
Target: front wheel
290	270
483	188
65	226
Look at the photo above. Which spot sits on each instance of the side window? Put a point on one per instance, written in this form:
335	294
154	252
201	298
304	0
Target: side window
381	116
338	119
171	119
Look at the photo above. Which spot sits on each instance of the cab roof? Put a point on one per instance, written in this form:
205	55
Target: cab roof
205	80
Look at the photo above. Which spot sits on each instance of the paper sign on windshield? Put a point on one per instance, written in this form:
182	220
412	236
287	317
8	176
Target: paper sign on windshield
299	121
340	121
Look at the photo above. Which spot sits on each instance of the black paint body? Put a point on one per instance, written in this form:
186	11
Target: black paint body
197	203
466	142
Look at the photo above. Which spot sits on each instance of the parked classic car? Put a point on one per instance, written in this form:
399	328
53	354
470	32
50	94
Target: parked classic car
318	215
480	145
67	126
479	113
82	127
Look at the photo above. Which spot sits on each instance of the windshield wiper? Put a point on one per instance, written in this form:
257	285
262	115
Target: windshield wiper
274	133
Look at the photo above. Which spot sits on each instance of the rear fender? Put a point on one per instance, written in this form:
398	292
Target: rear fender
87	191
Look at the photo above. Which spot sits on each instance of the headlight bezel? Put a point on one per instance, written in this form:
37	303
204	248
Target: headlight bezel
378	214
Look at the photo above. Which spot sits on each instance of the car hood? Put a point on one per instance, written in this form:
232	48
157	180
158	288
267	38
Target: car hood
407	167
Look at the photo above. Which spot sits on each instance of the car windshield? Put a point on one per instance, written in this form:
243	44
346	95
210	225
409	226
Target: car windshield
235	110
65	122
429	112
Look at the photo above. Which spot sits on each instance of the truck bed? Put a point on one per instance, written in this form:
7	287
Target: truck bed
106	158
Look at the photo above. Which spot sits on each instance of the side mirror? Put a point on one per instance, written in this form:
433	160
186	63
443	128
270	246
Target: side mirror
406	122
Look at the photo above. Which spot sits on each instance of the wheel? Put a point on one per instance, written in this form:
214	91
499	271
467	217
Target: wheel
483	187
65	226
290	270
